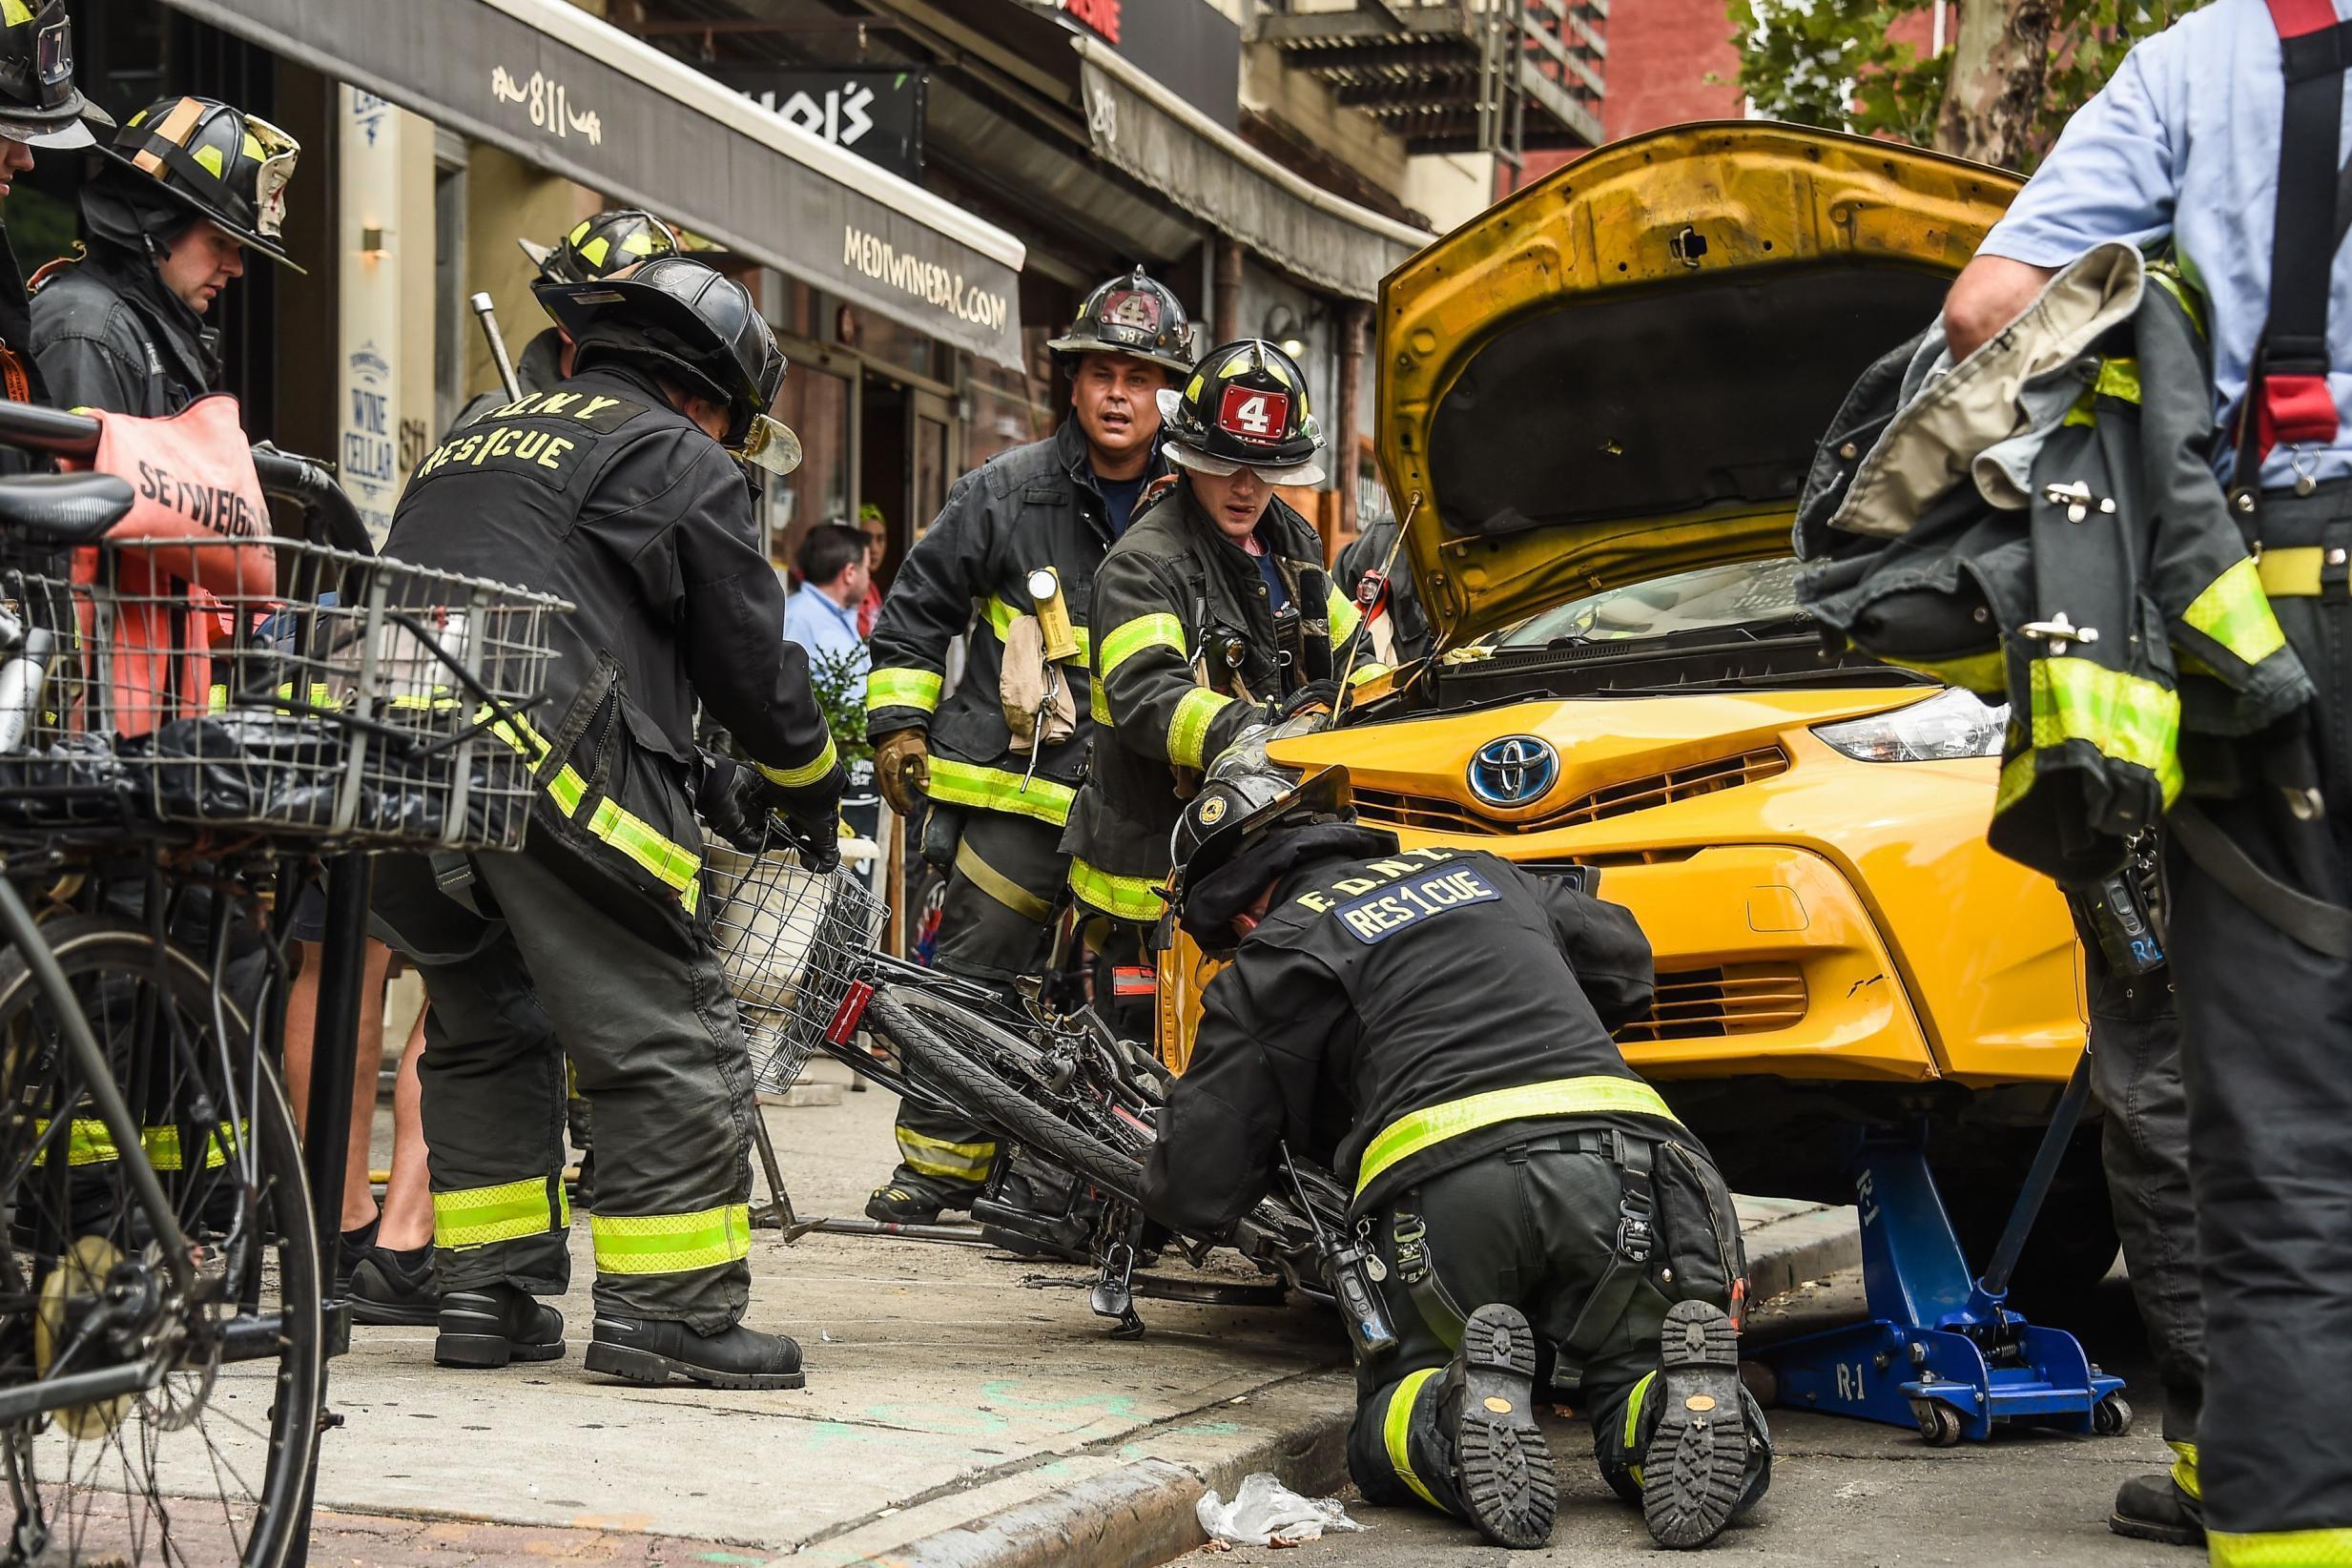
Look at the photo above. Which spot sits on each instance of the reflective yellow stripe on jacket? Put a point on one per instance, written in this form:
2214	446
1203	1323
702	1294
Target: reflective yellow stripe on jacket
807	774
670	1244
2126	719
1188	727
1001	614
2235	611
2281	1548
1128	897
1129	638
986	789
898	688
88	1143
673	863
1417	1130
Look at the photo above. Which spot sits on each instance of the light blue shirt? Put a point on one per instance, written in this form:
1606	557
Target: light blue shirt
828	630
2183	141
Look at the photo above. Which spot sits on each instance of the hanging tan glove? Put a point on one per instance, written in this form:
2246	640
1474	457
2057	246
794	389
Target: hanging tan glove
902	768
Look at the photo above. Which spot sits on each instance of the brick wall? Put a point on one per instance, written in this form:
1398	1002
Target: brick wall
1660	54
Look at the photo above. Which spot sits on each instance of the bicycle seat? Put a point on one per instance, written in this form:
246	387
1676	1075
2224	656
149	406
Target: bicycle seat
62	508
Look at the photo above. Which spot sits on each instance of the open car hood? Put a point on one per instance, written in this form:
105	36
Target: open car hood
1622	370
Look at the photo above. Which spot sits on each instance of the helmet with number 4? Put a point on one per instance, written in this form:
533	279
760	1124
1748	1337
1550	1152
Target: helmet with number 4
1135	316
1243	407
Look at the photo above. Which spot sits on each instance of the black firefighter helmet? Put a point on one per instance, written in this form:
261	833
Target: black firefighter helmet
1246	798
678	318
38	103
1243	407
213	161
600	246
1131	315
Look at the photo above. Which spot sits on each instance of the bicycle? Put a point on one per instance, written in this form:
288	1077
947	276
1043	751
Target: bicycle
798	951
163	1327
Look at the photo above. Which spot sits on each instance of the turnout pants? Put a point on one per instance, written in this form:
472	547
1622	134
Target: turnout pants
2267	1050
631	989
2144	1146
1538	1225
995	922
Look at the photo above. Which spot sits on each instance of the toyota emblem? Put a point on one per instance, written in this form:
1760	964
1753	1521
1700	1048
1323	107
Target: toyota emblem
1515	771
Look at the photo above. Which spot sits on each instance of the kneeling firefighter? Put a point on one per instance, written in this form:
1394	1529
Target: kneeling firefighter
620	490
1520	1197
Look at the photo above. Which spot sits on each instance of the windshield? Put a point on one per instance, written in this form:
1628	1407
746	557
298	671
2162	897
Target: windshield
1713	597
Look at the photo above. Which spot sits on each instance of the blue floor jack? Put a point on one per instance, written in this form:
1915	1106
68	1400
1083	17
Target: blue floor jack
1940	1351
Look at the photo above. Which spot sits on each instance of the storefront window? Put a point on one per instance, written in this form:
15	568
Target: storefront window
1008	408
817	404
885	341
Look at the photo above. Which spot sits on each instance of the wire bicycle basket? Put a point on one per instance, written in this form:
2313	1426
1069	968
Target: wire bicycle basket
276	686
790	942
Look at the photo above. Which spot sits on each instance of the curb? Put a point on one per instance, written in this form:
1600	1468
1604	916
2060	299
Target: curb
1141	1512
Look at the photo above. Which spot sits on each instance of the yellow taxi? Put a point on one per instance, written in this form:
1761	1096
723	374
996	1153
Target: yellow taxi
1597	405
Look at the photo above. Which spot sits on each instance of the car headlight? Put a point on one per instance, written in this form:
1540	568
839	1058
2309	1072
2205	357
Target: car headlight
1943	729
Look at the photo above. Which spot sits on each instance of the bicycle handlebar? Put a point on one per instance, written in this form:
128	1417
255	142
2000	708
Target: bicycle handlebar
329	518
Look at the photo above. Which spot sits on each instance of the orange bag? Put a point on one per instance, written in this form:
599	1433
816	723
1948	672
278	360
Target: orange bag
193	479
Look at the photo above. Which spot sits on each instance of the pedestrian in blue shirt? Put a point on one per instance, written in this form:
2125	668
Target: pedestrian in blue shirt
822	616
2223	137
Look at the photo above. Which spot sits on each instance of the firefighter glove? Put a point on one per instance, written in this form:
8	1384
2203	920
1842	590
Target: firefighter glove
902	768
732	799
1315	696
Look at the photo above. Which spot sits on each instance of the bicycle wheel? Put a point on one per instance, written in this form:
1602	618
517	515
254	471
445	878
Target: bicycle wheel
939	1051
209	1462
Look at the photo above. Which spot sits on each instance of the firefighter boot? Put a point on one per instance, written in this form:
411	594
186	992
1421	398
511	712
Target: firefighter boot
655	1349
495	1325
1502	1469
1700	1467
918	1200
2155	1508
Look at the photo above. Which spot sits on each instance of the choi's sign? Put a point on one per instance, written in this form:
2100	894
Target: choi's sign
876	114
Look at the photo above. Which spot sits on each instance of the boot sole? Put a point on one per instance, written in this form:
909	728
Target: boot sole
2166	1535
488	1351
1696	1466
647	1367
390	1314
1503	1468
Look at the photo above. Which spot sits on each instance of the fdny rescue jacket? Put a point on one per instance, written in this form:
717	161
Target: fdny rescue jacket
538	368
1397	1014
602	493
109	335
2115	611
1036	505
1189	653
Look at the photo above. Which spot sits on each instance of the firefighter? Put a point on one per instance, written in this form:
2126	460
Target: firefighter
1012	556
620	490
1536	1215
611	244
1213	613
40	109
189	186
2222	135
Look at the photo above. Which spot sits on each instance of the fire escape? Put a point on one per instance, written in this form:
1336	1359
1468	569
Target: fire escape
1499	76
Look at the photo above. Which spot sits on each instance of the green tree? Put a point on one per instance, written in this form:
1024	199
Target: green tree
2010	74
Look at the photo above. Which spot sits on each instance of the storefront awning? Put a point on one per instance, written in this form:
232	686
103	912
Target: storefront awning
1140	127
578	98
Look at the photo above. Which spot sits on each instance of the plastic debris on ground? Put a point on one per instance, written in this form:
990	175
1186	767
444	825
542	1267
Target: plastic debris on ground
1266	1513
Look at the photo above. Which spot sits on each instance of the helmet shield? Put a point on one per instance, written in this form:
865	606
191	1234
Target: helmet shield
38	103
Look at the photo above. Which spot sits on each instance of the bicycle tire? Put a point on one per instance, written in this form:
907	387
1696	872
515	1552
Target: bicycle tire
977	1088
155	1442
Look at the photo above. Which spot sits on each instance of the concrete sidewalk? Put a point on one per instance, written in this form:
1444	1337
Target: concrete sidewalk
963	1408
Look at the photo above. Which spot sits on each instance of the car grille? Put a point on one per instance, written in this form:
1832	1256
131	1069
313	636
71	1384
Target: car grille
1746	998
1429	814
